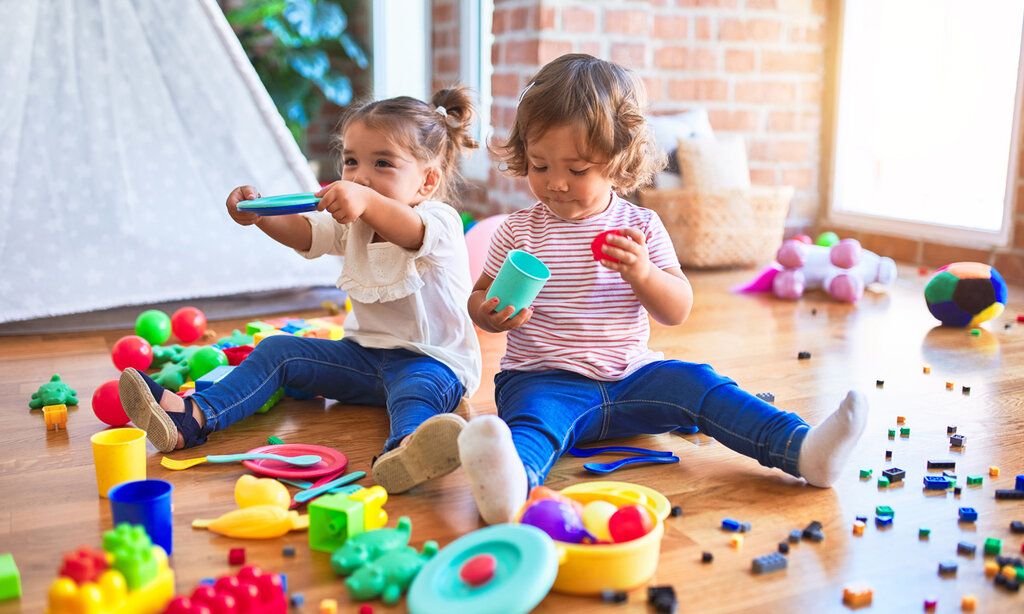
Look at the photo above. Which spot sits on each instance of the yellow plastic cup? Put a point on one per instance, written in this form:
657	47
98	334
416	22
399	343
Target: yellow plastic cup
119	456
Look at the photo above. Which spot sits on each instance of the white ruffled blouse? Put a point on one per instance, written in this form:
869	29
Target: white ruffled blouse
412	299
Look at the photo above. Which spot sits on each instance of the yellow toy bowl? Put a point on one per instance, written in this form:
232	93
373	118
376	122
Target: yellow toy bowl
590	569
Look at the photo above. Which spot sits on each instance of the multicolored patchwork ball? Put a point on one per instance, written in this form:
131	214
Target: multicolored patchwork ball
966	294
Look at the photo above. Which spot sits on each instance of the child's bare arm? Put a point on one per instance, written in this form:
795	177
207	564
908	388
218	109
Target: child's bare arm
394	221
290	230
666	294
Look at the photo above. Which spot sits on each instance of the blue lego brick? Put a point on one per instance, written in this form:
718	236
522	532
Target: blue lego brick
968	514
213	377
883	521
935	482
947	568
769	563
966	548
728	524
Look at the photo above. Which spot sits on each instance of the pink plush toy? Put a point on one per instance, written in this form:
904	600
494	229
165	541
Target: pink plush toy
843	270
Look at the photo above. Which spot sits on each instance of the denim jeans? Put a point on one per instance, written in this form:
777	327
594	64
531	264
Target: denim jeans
551	411
413	387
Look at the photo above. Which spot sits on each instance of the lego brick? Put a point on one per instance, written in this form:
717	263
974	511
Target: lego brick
328	606
297	600
1017	527
333	519
768	563
949	385
924	533
10	578
884	510
892	434
803	356
957	490
991	569
252	591
728	524
133	554
975	480
795	535
901	419
858	527
968	603
930	605
1009	494
947	568
863	519
950	430
888	455
655	593
676	511
926	370
1019	482
993	546
610	596
894	474
968	514
736	541
993	471
288	551
214	376
84	565
236	556
866	473
55	417
879	383
883	482
966	548
957	441
905	431
784	547
257	327
883	521
965	390
942	464
857	596
935	482
1011	585
706	557
767	397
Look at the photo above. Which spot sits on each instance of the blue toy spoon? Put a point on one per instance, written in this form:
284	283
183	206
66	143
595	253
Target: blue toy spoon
603	468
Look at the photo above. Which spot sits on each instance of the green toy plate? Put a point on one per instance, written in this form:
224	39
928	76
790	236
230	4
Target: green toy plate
526	568
286	204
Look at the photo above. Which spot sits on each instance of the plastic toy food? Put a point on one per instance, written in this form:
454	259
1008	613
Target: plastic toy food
597	245
53	392
629	523
596	515
250	491
255	522
557	519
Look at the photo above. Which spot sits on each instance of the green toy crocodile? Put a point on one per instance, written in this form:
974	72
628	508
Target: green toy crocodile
172	376
390	575
54	392
363	548
163	354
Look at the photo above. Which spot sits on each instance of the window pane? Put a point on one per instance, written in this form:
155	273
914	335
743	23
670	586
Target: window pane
926	105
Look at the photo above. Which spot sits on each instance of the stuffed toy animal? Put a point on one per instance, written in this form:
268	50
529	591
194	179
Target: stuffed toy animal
843	270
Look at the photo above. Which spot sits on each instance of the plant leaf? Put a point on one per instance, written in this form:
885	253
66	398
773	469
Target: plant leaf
253	13
282	33
310	63
315	20
353	50
337	89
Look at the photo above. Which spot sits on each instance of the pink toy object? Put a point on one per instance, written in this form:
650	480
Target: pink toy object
132	351
629	523
252	591
599	242
106	404
188	324
843	271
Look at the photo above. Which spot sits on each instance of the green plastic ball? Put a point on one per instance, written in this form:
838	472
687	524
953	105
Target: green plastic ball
154	326
827	239
204	360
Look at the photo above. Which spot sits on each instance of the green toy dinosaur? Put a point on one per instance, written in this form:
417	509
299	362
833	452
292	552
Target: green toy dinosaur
54	392
168	353
171	376
390	575
363	548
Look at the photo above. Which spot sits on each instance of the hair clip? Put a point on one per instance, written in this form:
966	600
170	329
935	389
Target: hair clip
526	89
443	112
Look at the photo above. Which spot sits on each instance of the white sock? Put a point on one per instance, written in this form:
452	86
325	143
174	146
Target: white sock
827	446
496	473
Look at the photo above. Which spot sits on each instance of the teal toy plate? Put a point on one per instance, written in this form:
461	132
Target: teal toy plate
286	204
525	570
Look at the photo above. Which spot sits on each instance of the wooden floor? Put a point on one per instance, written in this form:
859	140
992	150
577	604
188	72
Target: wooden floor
48	501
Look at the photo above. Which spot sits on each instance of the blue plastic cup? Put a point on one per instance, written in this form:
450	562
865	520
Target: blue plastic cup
519	281
148	503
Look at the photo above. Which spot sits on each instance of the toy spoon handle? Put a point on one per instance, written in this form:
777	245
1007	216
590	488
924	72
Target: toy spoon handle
609	467
234	458
306	495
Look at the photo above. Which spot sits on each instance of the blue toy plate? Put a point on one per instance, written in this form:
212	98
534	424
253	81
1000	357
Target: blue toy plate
527	564
285	204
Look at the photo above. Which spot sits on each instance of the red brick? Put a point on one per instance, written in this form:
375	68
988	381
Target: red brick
685	58
443	12
590	48
798	177
550	50
762	5
630	55
671	27
702	29
811	92
819	7
500	20
780	151
808	35
577	19
505	84
740	60
447	63
734	120
765	92
523	52
763	176
655	89
519	20
749	30
698	89
547	18
792	61
626	22
721	4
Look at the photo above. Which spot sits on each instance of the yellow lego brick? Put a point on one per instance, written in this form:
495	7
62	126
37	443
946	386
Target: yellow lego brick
110	595
857	596
736	541
858	528
260	336
189	385
991	569
969	603
373	500
328	606
993	471
55	417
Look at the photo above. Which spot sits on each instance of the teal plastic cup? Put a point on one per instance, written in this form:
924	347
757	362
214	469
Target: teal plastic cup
519	281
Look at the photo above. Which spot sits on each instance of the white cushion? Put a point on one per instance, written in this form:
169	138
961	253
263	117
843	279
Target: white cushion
714	164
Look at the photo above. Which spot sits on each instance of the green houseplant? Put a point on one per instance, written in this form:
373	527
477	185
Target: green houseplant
296	47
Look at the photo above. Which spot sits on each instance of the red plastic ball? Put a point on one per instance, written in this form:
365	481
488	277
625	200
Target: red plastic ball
106	404
132	351
629	523
597	245
478	570
188	324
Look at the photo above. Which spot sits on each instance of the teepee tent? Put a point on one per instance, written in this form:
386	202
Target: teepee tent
123	127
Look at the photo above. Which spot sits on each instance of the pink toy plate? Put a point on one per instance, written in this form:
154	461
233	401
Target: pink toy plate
333	462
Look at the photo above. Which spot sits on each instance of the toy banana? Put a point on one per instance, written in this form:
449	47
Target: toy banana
255	522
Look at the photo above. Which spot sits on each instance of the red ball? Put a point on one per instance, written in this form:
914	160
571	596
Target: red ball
629	523
106	404
188	324
132	351
600	241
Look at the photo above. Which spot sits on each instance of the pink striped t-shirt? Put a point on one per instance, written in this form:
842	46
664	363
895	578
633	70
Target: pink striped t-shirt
586	319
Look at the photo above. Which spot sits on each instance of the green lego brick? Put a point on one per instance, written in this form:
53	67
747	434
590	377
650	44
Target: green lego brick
924	533
884	510
10	579
274	441
993	546
883	482
332	520
133	554
892	433
866	473
258	327
905	431
974	480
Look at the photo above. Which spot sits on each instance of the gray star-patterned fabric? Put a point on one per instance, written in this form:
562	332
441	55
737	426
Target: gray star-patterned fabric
123	127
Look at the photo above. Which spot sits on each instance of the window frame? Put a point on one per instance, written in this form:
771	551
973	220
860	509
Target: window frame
475	31
947	234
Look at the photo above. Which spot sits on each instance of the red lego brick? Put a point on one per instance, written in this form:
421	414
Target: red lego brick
236	556
84	565
252	591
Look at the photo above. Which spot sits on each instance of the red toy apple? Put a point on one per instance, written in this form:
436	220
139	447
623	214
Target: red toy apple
629	523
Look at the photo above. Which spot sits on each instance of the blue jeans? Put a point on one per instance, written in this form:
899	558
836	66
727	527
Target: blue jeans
551	411
412	387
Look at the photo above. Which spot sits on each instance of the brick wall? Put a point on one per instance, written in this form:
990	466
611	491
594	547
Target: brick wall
444	38
758	66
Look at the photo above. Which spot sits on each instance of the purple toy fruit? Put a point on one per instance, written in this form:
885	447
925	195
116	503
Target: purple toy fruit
557	519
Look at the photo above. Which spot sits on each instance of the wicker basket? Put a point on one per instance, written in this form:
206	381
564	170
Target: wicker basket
730	228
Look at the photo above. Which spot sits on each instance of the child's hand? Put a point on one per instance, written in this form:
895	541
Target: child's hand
631	250
501	321
245	192
344	200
